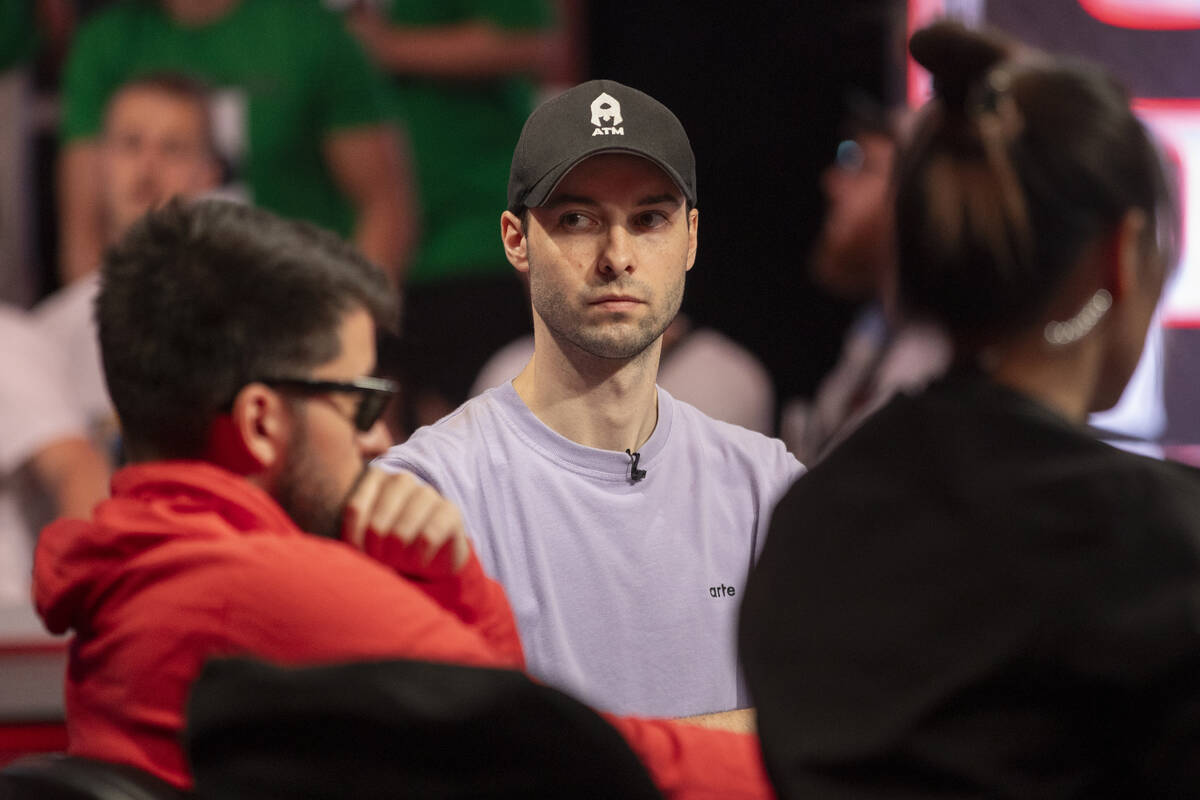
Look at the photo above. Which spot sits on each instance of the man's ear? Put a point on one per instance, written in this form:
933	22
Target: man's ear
253	437
1126	255
693	236
512	235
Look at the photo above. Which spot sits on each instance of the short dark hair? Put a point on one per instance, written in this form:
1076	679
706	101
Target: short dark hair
199	298
1019	163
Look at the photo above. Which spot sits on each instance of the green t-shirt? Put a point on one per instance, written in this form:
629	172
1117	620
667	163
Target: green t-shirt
285	73
18	34
463	133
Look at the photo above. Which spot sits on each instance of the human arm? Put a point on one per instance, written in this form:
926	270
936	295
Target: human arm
366	157
688	762
41	430
73	473
372	169
471	49
404	523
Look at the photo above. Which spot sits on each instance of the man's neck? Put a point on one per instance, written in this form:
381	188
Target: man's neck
196	13
609	404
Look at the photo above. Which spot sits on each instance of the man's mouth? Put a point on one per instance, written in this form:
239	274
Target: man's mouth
616	302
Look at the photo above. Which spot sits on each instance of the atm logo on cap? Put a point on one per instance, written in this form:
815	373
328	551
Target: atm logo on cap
605	108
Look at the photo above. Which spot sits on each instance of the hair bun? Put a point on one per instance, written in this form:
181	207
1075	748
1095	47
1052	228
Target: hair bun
957	58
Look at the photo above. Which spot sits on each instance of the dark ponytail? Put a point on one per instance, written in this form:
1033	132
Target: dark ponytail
1017	164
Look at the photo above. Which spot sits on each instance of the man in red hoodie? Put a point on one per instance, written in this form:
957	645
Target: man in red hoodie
237	349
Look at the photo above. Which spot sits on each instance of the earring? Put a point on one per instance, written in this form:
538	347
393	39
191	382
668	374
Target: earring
1080	325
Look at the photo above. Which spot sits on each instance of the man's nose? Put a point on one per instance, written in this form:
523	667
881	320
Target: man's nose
150	159
149	168
617	256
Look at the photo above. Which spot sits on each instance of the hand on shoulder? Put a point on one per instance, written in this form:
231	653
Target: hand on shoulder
398	519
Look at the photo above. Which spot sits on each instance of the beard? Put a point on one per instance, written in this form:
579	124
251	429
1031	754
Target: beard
616	336
311	500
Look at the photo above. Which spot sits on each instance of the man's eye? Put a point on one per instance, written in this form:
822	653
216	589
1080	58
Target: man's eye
651	219
128	144
574	221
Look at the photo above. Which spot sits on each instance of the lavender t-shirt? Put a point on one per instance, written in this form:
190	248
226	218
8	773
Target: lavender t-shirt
625	592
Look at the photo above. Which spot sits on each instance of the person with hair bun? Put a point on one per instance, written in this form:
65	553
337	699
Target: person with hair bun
972	596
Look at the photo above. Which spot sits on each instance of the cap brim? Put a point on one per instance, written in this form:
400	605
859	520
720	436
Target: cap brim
540	192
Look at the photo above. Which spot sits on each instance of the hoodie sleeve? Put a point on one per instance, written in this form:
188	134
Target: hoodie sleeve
58	591
336	603
469	594
294	600
688	762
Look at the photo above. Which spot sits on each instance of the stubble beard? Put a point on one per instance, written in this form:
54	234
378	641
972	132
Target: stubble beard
619	339
313	503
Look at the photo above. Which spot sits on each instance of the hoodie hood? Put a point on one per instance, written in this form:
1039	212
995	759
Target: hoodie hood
154	506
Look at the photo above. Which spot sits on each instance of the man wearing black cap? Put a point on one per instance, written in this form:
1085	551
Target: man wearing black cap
621	521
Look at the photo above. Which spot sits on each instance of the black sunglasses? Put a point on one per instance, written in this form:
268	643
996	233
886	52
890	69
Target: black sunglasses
373	394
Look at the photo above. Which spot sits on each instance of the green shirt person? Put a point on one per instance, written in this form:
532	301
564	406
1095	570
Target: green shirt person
299	114
463	82
463	79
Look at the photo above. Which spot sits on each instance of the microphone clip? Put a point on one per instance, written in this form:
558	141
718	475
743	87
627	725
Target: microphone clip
635	474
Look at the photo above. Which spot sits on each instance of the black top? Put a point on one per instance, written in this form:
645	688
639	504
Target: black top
970	597
399	728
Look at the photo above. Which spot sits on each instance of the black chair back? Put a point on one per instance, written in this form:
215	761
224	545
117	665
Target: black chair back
399	729
56	776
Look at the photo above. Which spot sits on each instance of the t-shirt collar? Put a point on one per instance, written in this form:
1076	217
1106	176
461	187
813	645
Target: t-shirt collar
604	464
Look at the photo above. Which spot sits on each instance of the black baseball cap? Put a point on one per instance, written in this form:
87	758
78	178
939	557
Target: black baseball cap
599	116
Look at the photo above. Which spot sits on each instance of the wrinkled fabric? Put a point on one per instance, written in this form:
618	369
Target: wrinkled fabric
187	562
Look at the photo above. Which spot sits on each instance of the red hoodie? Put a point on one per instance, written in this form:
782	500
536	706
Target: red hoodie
188	561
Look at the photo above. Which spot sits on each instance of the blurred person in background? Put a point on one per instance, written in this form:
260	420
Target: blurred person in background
299	117
972	596
885	350
463	77
29	29
239	348
48	465
156	143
